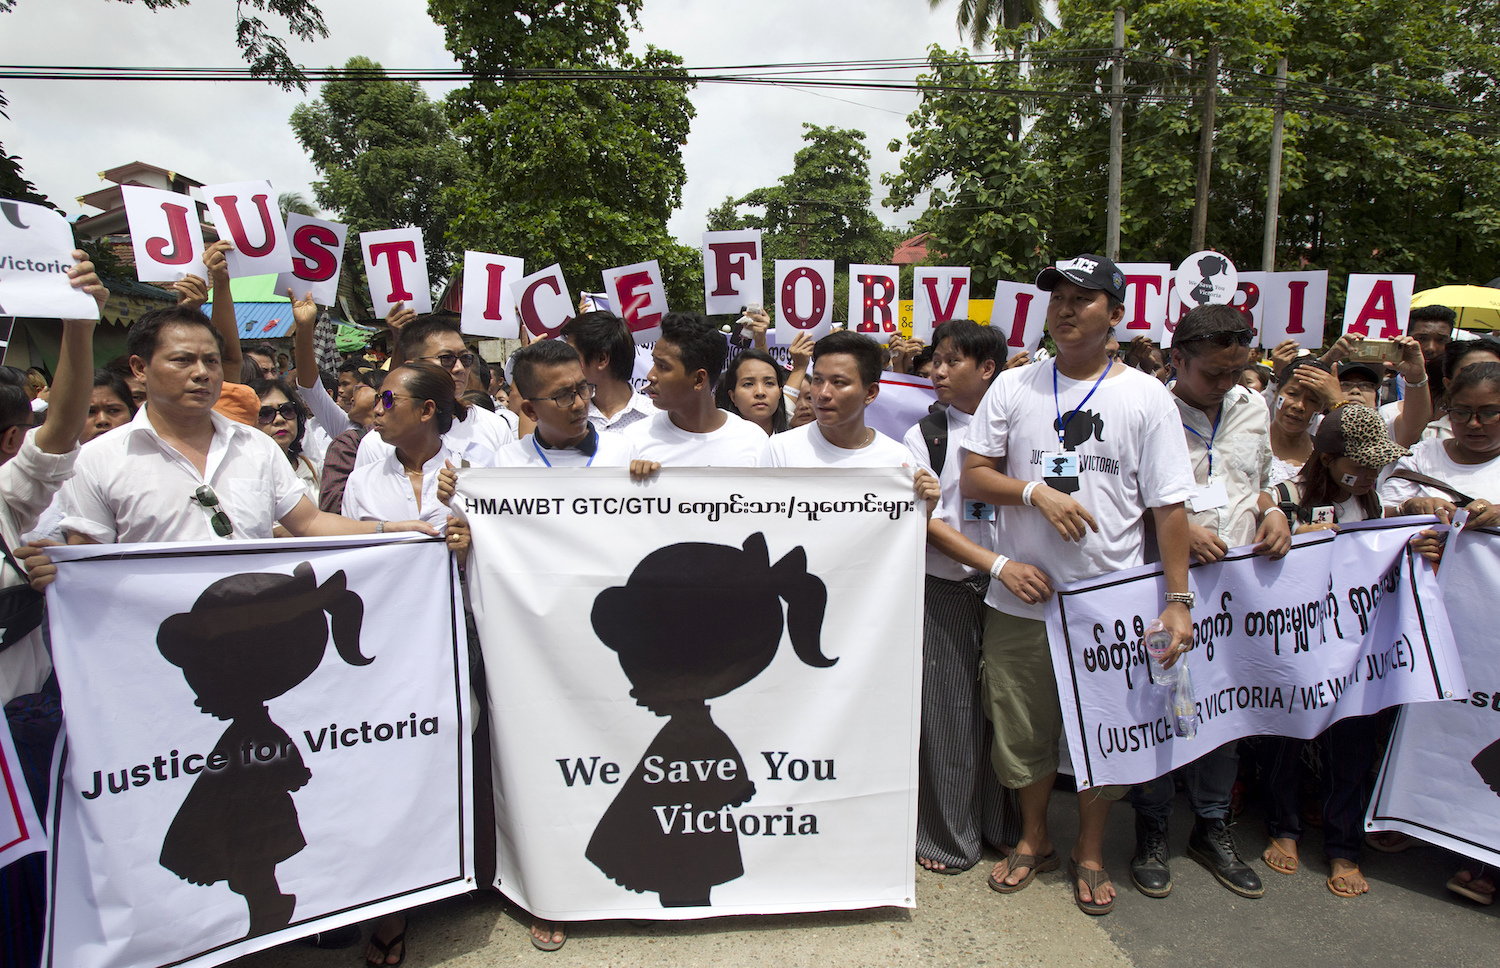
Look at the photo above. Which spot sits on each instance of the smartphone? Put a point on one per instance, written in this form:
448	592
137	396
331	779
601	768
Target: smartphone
1375	351
746	332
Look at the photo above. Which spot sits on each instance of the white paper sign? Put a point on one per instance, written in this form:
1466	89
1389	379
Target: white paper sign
489	307
1296	303
1146	289
904	400
396	269
732	271
36	252
638	290
317	256
1019	313
164	233
938	294
1206	278
874	303
542	301
804	298
1376	306
246	214
1250	297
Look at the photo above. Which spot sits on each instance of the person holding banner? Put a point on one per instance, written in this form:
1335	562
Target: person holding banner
1227	431
603	341
960	805
1074	452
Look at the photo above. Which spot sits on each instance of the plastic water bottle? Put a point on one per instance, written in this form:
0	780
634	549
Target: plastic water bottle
1158	644
1182	701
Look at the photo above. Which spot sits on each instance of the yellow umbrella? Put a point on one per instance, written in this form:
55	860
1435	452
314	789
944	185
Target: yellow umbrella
1478	307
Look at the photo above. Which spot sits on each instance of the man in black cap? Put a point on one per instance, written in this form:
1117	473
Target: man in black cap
1073	452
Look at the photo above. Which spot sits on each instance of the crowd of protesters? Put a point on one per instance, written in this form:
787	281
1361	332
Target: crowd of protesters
1210	445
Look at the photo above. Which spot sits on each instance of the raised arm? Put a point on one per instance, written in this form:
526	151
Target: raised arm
222	316
73	386
305	320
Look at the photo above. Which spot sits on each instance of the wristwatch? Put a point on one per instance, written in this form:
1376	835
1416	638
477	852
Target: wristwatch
1186	598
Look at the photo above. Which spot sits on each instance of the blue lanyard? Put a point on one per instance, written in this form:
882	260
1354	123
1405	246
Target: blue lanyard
1062	425
1208	442
538	448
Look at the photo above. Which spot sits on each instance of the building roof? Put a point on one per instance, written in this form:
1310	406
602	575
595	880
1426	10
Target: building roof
912	251
141	290
120	171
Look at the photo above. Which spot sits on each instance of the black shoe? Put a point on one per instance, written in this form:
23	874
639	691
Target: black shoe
1212	845
345	937
1148	868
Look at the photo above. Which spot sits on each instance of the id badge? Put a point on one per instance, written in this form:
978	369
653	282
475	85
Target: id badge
1060	471
1207	497
1323	515
978	511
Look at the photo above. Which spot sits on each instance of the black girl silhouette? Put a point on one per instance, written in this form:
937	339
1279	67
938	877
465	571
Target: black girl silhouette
695	621
1487	764
248	639
1209	266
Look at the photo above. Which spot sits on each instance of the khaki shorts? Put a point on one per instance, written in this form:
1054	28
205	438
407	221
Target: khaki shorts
1020	698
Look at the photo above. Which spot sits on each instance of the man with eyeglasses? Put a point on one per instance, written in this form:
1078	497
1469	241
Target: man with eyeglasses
549	375
477	438
1228	434
603	341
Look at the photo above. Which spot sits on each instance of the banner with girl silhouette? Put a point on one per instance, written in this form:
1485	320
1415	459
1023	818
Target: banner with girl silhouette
703	688
1441	778
263	740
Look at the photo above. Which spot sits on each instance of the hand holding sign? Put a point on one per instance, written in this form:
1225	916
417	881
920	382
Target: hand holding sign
36	257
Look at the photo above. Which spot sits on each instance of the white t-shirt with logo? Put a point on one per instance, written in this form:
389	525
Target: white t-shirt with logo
807	447
1131	456
736	444
1430	459
974	520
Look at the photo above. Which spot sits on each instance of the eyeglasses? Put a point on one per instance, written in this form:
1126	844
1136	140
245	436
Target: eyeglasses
1238	337
565	398
388	399
446	360
288	411
206	497
1462	415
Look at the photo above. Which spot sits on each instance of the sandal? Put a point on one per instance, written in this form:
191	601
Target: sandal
1336	884
1095	879
551	928
1035	865
1390	841
1463	888
1279	860
384	947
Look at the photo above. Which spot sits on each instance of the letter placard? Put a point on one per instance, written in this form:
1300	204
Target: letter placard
36	252
246	214
1296	303
938	295
1376	306
164	232
732	271
489	302
1020	315
317	257
804	298
1146	288
638	291
1250	297
396	267
873	292
542	302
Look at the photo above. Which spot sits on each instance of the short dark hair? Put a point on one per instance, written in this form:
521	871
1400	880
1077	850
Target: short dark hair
478	398
701	346
373	378
428	381
869	356
1431	314
1480	374
1457	349
547	352
1199	326
602	335
415	333
145	333
482	371
261	349
355	365
116	384
15	406
973	341
724	393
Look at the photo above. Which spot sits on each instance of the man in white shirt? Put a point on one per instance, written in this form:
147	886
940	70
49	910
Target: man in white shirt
556	395
688	430
960	805
1227	430
1073	451
603	341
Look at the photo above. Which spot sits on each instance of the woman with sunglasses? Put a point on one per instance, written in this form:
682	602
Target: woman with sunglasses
283	418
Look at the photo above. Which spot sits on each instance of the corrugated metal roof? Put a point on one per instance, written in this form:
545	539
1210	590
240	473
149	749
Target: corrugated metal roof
258	320
130	287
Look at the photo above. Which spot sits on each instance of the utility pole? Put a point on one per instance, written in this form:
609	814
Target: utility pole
1206	148
1116	138
1273	191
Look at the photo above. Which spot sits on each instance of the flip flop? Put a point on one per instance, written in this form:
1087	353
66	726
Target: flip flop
1095	879
1338	879
1272	858
1374	841
549	944
1035	865
1463	889
384	947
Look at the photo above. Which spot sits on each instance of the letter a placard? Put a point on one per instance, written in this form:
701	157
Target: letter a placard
164	232
542	301
804	298
731	271
396	267
1376	306
489	304
317	257
637	293
246	214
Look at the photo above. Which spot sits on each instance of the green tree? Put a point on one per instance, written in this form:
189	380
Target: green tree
386	155
568	162
983	18
293	202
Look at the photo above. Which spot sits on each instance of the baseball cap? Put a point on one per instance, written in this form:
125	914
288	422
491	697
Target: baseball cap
1356	369
1088	271
1360	434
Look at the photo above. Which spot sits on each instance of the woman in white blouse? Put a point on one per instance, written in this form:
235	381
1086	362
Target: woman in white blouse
283	417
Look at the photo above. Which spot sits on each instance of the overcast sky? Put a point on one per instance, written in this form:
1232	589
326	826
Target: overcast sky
743	137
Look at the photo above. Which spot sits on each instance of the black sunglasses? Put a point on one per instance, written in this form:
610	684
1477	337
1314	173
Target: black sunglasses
287	410
446	360
206	497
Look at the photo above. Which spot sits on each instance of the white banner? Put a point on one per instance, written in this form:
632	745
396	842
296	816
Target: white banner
1296	303
1020	312
804	299
36	252
874	303
264	740
1441	777
20	831
703	689
1377	306
1342	626
1147	287
641	295
938	294
542	302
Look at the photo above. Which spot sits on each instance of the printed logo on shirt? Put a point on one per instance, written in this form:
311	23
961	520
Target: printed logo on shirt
1078	426
1086	462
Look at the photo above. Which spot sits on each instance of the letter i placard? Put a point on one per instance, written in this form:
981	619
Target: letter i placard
489	306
